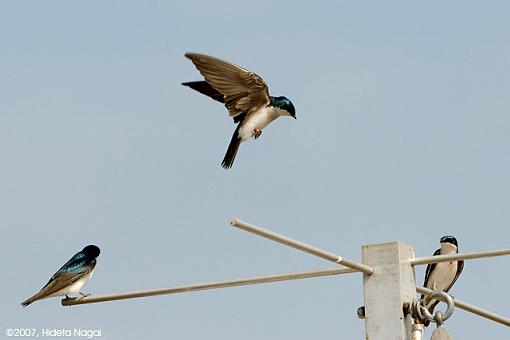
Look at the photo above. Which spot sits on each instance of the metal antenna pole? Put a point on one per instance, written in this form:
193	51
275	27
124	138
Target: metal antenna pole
386	291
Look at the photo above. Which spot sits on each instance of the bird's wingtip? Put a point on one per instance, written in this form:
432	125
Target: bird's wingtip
190	55
189	83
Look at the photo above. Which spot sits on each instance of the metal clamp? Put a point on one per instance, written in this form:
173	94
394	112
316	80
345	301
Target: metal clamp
439	317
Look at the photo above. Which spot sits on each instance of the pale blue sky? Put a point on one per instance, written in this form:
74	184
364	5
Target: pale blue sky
402	134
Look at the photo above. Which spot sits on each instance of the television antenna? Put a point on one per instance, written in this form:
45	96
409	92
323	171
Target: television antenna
389	285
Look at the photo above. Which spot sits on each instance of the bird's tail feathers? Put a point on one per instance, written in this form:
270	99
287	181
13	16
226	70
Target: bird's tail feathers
231	153
40	295
29	301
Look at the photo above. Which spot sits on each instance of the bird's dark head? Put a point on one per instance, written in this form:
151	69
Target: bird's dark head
92	251
284	103
449	239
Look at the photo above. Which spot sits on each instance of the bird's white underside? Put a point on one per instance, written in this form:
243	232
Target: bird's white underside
259	120
444	272
75	288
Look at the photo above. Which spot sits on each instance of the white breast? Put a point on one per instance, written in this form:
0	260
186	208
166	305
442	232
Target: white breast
75	288
257	120
442	276
444	272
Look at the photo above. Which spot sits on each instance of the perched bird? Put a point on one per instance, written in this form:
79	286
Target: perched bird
71	277
245	95
441	276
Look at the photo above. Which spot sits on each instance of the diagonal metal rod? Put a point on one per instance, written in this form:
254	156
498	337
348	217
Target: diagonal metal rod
472	309
464	256
206	286
300	246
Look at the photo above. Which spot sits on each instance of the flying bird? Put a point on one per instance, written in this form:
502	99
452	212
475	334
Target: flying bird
441	276
71	277
245	95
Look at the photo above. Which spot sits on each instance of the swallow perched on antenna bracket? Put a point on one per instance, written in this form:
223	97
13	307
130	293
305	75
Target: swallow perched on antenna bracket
245	95
441	276
71	277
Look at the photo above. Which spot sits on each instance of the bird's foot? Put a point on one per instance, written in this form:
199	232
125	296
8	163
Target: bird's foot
67	296
256	133
84	295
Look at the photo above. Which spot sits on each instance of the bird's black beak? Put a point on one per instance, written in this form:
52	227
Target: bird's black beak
294	117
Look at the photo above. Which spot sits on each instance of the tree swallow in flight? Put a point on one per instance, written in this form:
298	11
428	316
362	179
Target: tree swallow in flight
245	95
71	277
441	276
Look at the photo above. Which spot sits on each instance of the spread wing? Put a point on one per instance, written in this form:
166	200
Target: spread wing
206	89
242	90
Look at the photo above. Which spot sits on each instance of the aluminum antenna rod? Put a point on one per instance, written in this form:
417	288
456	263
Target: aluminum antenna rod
461	256
206	286
301	246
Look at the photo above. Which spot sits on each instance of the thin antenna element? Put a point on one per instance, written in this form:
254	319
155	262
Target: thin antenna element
300	246
206	286
461	256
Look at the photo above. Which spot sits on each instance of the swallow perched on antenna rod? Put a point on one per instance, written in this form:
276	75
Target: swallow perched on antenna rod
441	276
71	277
245	95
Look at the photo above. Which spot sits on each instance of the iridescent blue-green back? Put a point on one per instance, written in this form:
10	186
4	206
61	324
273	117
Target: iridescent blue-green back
82	261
